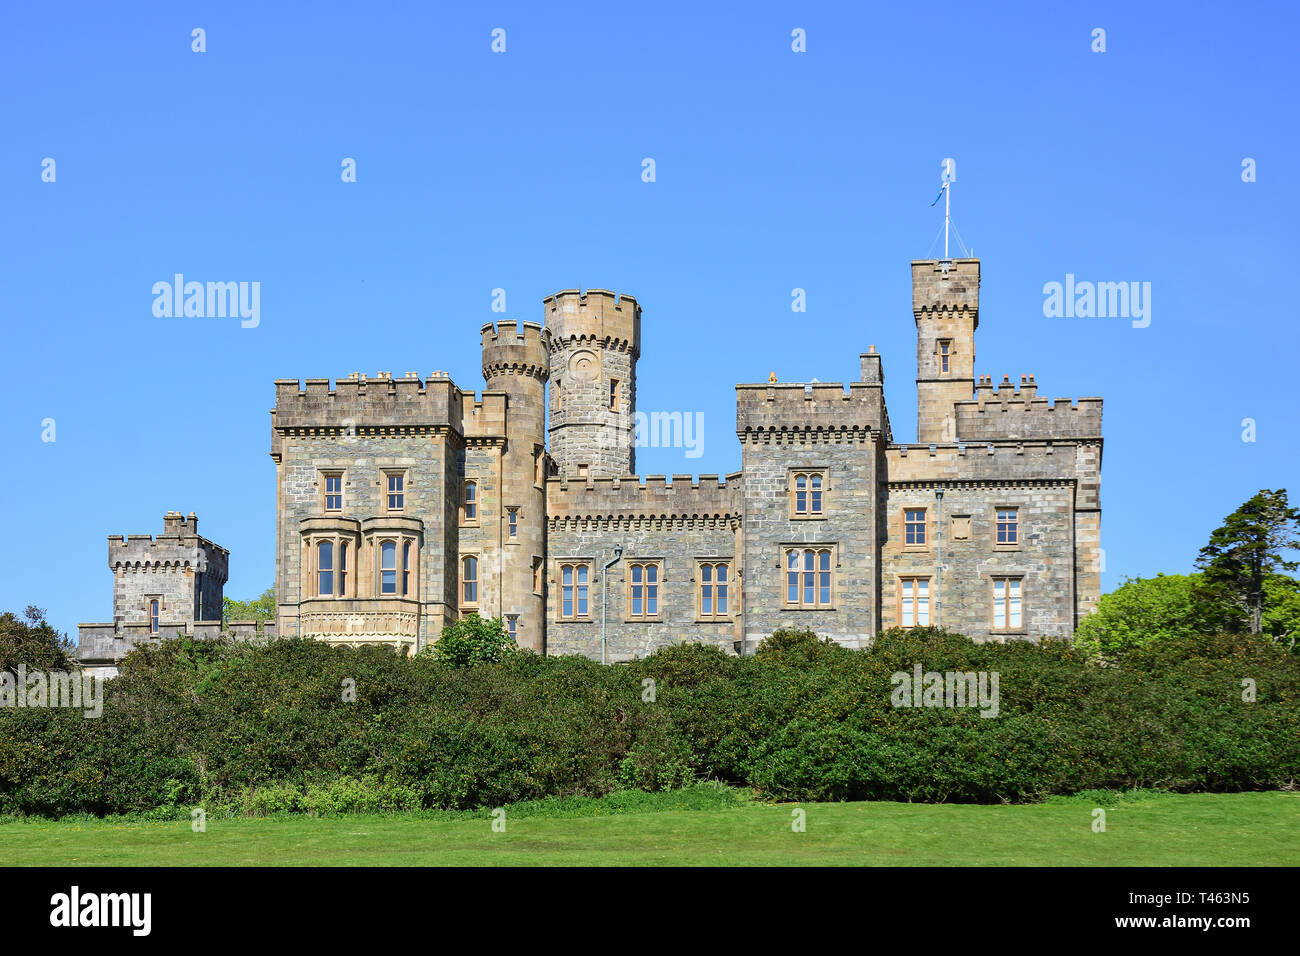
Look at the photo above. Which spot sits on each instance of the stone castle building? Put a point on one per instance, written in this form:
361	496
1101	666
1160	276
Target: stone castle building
404	504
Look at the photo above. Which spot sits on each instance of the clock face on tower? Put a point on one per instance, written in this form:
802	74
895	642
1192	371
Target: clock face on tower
584	366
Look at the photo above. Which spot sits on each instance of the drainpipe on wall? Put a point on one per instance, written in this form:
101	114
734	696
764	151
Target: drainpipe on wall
938	570
604	593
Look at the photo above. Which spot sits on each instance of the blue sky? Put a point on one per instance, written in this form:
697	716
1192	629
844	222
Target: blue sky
522	171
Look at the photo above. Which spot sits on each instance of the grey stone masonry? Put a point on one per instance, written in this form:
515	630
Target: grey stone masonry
161	585
405	503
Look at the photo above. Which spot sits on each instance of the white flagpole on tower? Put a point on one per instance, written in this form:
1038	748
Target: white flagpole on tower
947	215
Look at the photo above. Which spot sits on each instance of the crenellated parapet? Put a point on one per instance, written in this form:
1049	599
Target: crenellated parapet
178	548
946	285
483	416
515	348
360	406
595	317
611	499
820	412
1006	412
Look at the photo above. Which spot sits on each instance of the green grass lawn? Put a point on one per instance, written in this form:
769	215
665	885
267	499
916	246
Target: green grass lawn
1162	830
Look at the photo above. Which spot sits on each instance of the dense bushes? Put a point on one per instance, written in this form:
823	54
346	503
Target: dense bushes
298	725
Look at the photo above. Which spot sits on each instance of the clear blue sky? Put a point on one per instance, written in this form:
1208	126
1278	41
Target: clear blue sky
522	170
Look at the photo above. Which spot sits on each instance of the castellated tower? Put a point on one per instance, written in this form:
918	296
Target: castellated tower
516	362
946	305
595	342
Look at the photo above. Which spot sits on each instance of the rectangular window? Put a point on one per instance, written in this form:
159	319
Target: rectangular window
396	490
1007	611
512	627
715	586
537	575
613	394
808	577
913	602
513	521
343	568
945	347
914	527
469	503
643	589
406	568
334	492
1008	526
154	616
575	584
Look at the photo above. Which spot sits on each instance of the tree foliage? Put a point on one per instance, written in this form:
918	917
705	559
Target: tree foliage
1250	546
473	640
259	609
33	641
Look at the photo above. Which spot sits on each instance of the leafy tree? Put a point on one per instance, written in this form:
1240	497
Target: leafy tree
1142	610
1282	609
258	609
1246	549
33	642
473	640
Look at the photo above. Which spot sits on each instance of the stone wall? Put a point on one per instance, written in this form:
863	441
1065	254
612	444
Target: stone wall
961	598
676	524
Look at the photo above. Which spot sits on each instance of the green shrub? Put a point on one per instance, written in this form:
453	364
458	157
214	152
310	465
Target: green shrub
265	727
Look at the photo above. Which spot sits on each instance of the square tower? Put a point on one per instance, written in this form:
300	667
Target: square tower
946	306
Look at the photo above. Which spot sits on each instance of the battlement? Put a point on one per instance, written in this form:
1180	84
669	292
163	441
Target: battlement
597	316
483	416
945	285
684	496
1008	412
816	409
178	547
516	348
358	402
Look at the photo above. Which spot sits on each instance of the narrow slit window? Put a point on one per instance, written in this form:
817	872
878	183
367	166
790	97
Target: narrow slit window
470	580
325	568
388	567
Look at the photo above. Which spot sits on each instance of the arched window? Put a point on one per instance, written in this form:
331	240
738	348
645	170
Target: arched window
469	580
325	568
643	590
808	493
388	567
575	582
406	568
808	577
343	568
714	589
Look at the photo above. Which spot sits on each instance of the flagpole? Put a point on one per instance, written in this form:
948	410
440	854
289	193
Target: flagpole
947	215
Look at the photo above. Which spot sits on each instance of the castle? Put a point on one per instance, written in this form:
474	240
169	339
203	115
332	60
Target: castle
404	504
